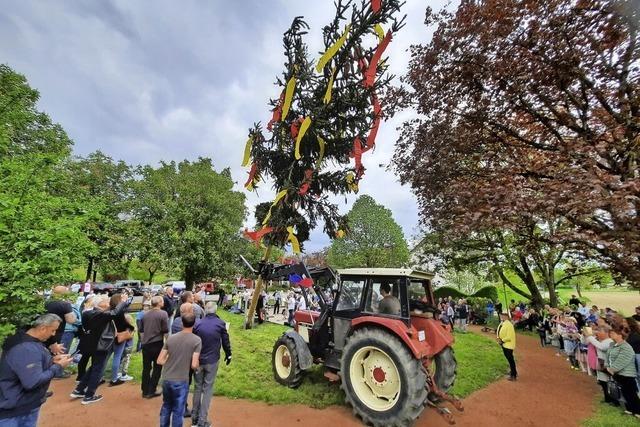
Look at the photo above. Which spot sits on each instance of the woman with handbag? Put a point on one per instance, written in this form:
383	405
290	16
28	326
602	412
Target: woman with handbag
124	333
621	363
100	334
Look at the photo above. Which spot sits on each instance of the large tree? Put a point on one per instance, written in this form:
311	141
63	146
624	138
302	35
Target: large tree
191	217
530	112
41	220
105	188
374	239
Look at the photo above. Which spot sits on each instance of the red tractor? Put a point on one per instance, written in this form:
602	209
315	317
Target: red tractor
377	332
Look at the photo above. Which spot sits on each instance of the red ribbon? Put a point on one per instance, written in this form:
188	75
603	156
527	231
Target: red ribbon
256	236
356	152
308	175
277	113
377	110
252	174
370	75
375	5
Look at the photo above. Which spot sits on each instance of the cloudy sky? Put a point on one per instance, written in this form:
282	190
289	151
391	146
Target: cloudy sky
167	80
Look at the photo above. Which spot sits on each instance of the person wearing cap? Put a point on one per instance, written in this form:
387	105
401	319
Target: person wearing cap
506	337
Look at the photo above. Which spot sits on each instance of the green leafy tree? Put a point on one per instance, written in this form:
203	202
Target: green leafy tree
41	221
190	217
105	188
374	238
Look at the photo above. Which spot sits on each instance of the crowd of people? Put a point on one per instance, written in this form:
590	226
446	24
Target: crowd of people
180	338
599	343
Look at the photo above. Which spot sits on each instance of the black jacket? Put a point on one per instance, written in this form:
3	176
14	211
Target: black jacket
94	323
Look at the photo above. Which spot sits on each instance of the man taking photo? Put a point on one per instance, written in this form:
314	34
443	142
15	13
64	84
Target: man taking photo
26	369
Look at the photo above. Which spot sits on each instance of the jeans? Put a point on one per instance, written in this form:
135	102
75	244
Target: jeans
126	357
276	307
91	379
150	369
174	398
205	378
67	339
508	353
118	349
27	420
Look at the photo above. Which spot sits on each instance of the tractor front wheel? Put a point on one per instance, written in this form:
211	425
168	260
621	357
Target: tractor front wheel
285	362
382	381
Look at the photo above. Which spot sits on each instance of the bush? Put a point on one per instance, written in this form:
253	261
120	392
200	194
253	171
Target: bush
447	291
489	292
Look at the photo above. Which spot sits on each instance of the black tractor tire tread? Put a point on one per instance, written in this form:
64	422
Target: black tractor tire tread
446	369
295	378
407	410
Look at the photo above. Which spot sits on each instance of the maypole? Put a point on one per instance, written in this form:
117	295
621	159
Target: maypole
327	112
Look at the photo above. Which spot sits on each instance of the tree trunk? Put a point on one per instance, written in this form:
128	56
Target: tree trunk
553	297
95	273
578	288
152	272
89	269
189	277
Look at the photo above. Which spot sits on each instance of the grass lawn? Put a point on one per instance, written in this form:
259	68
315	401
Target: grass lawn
249	375
607	416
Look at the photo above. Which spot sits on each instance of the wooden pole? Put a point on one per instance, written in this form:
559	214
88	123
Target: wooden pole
248	324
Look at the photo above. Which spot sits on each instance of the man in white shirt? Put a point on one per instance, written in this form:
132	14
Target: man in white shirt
291	306
302	303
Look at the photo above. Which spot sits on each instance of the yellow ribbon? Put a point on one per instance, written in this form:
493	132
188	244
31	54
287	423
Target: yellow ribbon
295	245
379	32
279	196
288	97
303	129
247	151
327	94
332	50
322	144
351	182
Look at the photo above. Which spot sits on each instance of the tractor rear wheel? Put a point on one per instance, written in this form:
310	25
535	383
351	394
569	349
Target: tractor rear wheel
285	362
446	369
384	384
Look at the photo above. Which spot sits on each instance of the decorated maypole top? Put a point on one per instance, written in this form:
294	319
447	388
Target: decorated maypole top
324	119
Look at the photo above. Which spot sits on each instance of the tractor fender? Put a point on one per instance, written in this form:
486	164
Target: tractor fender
304	354
396	327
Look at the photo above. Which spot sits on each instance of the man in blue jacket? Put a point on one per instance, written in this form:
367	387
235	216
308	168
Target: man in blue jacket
213	332
26	369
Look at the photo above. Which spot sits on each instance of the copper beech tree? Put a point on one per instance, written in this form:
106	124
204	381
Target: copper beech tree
529	111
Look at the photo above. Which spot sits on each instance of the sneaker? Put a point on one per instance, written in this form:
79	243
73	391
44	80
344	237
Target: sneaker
628	412
116	382
76	394
126	377
93	399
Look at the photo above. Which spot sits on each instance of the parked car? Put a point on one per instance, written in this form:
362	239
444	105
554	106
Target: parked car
135	286
155	289
177	285
102	287
209	287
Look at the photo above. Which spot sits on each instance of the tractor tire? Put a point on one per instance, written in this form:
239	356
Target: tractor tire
383	383
285	363
446	369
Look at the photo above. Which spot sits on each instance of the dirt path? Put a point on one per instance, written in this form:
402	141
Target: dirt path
547	393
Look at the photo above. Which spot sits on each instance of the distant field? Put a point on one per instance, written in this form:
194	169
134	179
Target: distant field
624	301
